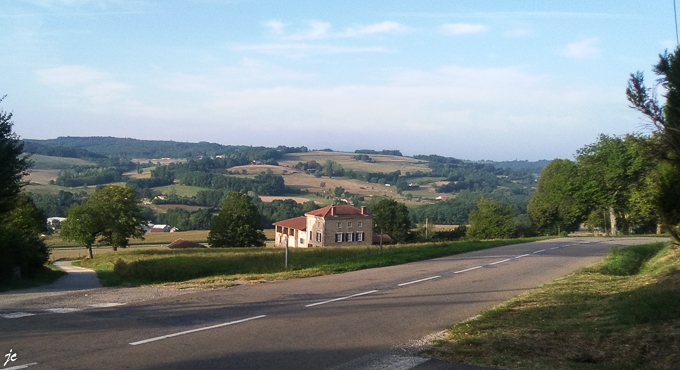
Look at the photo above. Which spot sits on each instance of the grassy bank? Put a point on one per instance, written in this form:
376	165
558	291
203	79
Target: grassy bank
221	267
623	313
45	276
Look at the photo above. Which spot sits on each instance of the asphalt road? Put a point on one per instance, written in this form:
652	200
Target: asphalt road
313	323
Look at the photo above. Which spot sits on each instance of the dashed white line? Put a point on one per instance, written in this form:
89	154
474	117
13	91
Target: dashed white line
20	366
63	310
341	298
524	255
542	250
16	315
196	330
554	248
497	262
466	270
106	305
418	281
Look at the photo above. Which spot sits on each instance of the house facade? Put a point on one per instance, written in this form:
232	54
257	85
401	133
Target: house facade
332	226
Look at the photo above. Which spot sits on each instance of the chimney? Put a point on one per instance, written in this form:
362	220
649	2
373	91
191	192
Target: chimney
332	210
363	210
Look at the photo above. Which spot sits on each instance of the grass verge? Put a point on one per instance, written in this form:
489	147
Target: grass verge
623	313
222	267
46	276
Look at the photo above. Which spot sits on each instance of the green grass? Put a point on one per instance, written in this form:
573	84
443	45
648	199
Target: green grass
47	275
623	313
44	162
211	267
180	190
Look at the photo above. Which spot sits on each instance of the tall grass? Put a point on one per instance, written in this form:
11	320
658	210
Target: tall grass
164	266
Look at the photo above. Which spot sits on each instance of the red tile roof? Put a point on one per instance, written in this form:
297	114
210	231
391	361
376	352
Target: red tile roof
297	223
338	210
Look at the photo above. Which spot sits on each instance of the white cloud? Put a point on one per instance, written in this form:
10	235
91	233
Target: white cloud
81	83
377	28
464	28
668	44
317	30
584	49
275	26
302	49
67	76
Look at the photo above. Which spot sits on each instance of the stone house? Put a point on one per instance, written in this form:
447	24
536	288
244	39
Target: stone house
336	226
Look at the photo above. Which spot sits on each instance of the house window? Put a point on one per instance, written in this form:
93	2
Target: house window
310	235
318	236
338	237
349	224
302	241
339	225
360	237
359	224
348	237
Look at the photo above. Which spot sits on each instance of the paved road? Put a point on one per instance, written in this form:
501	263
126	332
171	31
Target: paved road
338	321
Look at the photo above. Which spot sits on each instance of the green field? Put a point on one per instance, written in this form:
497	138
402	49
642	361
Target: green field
220	267
43	162
621	314
383	163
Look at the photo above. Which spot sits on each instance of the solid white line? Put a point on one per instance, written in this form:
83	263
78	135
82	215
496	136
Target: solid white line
63	310
418	281
524	255
20	366
106	305
497	262
196	330
542	250
341	298
473	268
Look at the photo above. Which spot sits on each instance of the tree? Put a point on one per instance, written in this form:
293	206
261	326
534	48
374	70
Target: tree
13	163
610	169
110	216
491	221
554	206
665	122
391	217
237	225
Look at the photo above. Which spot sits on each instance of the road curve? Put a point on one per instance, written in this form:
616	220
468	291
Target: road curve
313	323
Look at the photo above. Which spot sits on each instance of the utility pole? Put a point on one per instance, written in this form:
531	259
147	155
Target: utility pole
426	227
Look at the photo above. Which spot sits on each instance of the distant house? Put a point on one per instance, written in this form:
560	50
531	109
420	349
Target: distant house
159	228
442	197
337	225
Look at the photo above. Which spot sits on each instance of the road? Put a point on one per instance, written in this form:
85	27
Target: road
312	323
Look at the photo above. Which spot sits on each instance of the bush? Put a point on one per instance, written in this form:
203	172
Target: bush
628	261
120	267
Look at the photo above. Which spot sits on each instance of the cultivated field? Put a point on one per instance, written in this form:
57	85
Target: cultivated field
43	162
383	163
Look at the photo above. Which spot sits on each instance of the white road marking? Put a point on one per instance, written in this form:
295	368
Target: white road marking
524	255
20	366
341	298
418	281
63	310
470	269
105	305
196	330
497	262
553	248
16	315
542	250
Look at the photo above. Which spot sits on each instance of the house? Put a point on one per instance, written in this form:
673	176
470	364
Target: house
332	226
159	228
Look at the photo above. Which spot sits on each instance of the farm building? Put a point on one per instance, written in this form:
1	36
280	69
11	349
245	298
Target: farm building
338	225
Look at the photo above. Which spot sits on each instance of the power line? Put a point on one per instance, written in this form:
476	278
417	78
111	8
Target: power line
675	13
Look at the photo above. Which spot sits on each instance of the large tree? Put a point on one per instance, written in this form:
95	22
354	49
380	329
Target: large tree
555	205
391	217
239	224
664	120
110	216
610	170
491	220
13	163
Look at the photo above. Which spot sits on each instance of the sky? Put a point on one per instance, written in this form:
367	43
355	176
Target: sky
470	79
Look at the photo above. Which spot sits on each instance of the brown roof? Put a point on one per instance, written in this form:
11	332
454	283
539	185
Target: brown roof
181	243
297	223
385	239
337	210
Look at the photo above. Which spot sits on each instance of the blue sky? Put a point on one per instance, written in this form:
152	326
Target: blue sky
472	79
